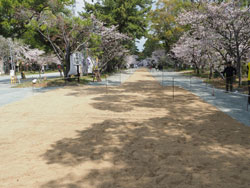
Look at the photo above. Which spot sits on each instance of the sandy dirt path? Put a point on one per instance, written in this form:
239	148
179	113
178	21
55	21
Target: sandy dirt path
135	136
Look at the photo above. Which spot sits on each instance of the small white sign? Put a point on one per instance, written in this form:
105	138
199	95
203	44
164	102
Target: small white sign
76	58
12	73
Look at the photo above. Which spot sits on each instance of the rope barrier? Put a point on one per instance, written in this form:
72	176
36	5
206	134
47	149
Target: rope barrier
206	87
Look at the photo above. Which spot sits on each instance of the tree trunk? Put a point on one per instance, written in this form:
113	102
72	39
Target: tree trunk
67	62
197	71
238	60
210	72
239	71
203	68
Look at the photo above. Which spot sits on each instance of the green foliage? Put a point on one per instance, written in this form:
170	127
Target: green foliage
94	45
130	15
16	15
151	45
164	24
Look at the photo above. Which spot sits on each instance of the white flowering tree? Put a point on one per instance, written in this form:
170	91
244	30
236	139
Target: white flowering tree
111	44
131	60
68	35
192	51
15	51
226	26
12	51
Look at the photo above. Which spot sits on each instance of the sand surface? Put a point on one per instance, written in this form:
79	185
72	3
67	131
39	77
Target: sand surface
133	136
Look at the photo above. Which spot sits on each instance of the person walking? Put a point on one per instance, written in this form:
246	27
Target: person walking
60	70
230	72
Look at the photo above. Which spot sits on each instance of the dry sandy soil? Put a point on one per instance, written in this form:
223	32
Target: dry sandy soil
134	136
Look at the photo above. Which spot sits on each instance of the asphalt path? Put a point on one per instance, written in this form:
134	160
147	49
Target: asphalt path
9	95
234	104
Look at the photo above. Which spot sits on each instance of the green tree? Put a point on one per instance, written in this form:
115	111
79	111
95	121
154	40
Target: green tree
151	45
130	16
65	34
15	16
164	25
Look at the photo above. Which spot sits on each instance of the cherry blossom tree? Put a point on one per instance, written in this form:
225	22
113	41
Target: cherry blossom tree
15	51
226	27
12	51
191	51
111	43
68	35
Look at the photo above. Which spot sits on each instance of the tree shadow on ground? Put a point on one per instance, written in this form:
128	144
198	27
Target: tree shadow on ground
92	90
190	145
114	103
151	96
159	152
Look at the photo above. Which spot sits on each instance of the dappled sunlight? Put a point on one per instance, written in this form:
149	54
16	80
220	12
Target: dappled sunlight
178	132
131	136
229	150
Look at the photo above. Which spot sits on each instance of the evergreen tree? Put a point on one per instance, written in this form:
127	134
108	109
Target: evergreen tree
164	25
130	16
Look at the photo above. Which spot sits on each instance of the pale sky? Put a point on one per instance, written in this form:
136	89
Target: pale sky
79	8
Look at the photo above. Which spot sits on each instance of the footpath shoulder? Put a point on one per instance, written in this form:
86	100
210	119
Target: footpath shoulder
233	104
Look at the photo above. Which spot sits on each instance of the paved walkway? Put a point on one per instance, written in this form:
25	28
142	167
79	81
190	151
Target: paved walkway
6	79
232	104
9	95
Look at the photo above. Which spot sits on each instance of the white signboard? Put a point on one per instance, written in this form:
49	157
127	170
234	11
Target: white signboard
12	73
76	58
90	65
73	67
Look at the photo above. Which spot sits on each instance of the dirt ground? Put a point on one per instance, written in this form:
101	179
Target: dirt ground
133	136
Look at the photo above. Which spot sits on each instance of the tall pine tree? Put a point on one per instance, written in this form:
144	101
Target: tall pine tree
131	16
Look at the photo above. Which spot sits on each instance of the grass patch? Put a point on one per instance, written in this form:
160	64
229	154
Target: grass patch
58	82
221	84
37	72
32	72
192	73
55	82
186	71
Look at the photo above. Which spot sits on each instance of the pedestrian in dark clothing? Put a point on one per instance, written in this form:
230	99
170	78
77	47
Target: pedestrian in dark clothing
60	70
229	71
160	67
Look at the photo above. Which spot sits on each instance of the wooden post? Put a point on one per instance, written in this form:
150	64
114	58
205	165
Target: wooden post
173	88
162	78
247	102
190	81
120	77
106	84
78	74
